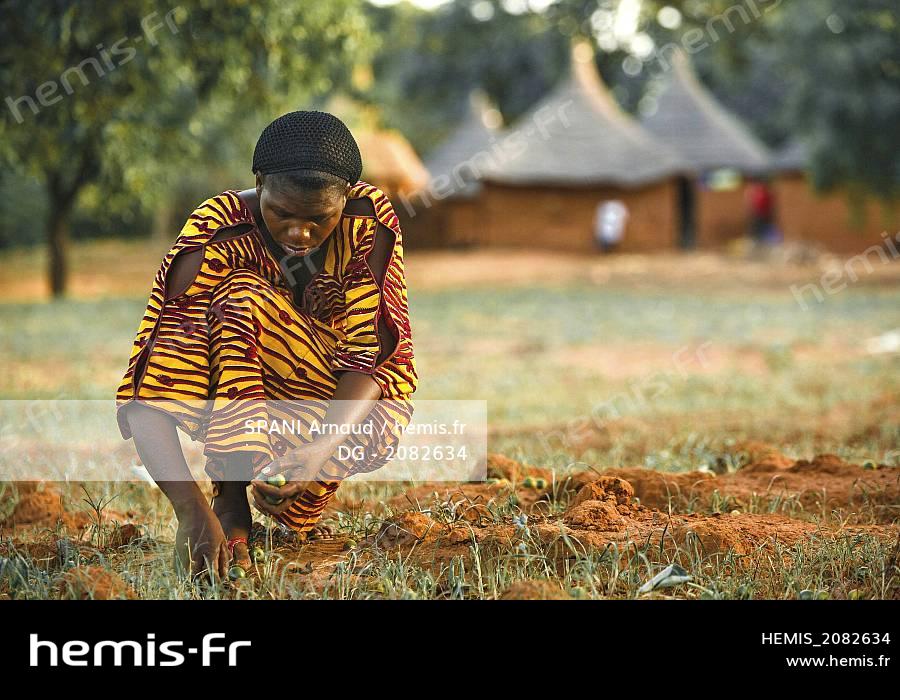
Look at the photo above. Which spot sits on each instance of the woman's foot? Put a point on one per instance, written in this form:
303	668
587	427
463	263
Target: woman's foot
282	536
318	532
233	511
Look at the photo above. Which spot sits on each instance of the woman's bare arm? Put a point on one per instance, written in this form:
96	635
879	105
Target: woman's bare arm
200	534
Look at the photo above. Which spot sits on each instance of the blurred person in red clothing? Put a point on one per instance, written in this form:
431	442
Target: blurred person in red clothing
761	203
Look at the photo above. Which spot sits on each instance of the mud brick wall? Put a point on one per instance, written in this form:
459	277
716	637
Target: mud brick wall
562	218
827	220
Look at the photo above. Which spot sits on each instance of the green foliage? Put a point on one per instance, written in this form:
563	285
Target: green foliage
177	114
131	96
431	61
826	72
842	60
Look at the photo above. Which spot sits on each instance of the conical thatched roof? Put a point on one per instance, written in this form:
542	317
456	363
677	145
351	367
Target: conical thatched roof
690	120
578	135
456	158
390	162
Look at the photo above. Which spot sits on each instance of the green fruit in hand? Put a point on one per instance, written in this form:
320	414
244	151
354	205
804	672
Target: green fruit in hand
272	501
276	480
236	572
529	482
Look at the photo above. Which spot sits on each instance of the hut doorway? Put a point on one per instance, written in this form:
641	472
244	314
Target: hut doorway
687	209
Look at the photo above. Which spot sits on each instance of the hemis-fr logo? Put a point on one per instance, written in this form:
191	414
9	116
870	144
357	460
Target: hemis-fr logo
212	651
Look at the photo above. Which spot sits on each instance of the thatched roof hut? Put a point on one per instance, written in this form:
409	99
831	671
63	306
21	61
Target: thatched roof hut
390	162
692	122
448	212
475	135
578	135
689	120
574	151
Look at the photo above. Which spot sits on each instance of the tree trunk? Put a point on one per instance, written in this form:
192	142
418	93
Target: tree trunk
64	182
162	223
58	247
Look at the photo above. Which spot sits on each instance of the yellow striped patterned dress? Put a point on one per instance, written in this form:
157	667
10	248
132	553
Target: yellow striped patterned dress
236	345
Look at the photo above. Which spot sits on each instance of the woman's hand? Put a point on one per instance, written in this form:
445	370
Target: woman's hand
354	397
200	544
299	467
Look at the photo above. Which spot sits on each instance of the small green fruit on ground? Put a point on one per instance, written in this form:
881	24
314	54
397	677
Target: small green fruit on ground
529	482
236	572
259	554
350	544
855	594
540	483
869	465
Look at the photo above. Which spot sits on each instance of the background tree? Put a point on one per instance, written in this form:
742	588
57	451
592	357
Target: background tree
180	115
101	92
825	72
842	61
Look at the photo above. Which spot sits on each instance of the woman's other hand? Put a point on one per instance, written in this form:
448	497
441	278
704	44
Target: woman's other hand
299	468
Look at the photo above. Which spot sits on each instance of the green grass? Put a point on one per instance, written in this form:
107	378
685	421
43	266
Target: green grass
806	389
847	567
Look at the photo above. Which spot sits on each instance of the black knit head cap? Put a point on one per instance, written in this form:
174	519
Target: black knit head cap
308	141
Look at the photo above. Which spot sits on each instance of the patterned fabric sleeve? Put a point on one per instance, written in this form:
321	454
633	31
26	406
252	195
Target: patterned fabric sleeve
169	355
369	304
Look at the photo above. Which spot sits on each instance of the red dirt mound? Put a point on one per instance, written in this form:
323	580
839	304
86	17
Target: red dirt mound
502	467
123	535
745	452
819	485
603	487
43	508
94	582
604	513
472	498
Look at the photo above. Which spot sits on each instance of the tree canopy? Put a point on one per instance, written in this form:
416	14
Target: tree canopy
117	110
129	94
